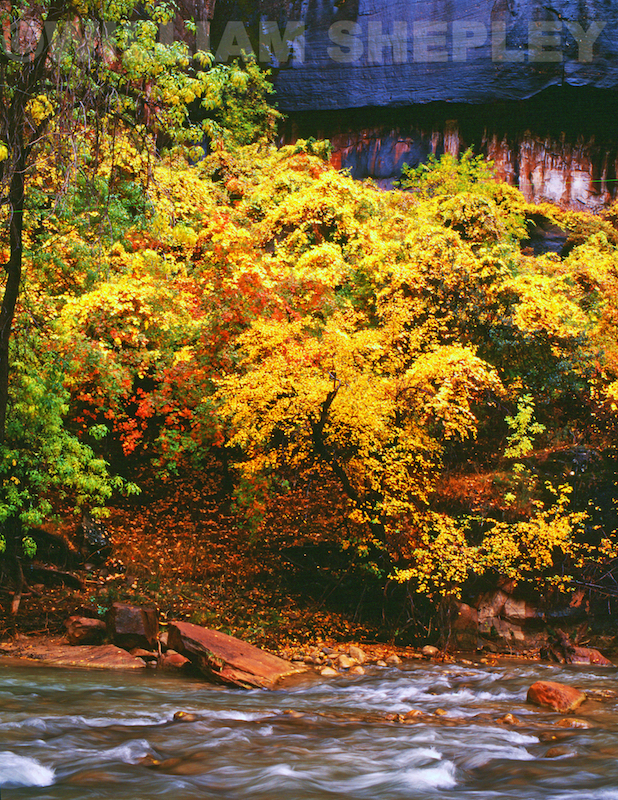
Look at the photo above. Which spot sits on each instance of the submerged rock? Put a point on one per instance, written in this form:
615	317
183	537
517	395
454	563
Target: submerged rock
573	722
509	719
557	752
225	659
557	696
173	660
184	716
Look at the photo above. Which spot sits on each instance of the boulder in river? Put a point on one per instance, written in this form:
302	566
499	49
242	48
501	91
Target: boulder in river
557	696
133	626
225	659
329	672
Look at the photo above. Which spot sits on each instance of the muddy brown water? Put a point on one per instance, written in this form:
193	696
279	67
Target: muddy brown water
73	735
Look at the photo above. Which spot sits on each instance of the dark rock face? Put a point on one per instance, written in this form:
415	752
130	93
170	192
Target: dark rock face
392	81
133	626
405	52
558	146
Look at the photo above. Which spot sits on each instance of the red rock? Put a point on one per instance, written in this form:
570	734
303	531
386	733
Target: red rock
464	626
84	630
133	626
173	660
51	652
224	659
588	655
557	696
146	655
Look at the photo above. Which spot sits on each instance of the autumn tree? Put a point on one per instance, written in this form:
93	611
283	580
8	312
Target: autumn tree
87	94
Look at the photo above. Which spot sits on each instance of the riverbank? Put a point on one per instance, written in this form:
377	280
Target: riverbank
179	548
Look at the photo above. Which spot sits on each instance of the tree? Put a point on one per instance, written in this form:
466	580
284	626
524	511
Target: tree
90	104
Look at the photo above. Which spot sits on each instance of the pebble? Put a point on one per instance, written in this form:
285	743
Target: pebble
430	651
510	719
184	716
393	660
357	670
345	662
328	672
573	722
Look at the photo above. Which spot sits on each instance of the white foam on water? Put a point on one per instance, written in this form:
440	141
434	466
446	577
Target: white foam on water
22	771
104	722
491	752
513	736
129	752
47	723
241	716
439	777
433	776
433	690
588	794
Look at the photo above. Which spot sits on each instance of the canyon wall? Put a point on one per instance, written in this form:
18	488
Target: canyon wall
390	81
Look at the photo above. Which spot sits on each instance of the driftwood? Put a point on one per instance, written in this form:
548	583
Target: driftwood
563	651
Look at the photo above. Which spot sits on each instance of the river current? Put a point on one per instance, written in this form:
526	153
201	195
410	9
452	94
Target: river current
73	735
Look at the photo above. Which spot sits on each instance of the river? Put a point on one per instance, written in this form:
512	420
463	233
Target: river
77	735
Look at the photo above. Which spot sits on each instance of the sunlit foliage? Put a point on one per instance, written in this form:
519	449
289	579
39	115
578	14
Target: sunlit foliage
316	332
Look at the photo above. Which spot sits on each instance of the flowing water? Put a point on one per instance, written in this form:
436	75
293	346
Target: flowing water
72	735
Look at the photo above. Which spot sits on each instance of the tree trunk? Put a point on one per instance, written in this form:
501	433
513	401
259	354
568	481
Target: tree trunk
13	276
26	87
